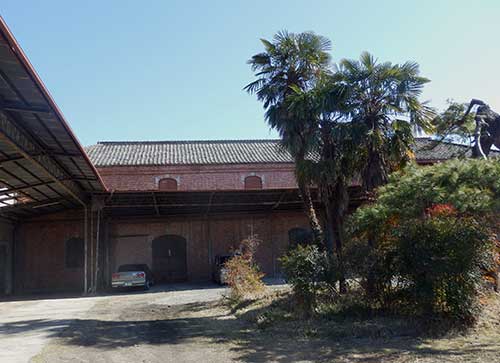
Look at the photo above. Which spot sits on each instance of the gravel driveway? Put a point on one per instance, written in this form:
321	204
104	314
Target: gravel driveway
188	323
113	328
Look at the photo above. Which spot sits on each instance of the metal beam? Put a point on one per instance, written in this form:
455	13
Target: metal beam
32	205
157	210
18	189
279	200
23	144
21	158
18	107
210	199
10	160
4	182
175	205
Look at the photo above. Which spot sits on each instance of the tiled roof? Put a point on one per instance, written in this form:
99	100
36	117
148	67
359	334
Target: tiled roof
130	153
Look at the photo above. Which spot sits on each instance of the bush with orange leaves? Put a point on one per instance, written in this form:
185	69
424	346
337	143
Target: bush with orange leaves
433	235
243	275
441	210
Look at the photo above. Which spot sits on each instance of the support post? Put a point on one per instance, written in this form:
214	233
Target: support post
97	249
108	252
97	205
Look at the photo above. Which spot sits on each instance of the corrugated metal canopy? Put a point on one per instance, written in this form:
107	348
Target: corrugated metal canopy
210	202
200	203
43	167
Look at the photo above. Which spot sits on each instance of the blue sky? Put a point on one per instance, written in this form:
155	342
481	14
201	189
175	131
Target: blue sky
166	70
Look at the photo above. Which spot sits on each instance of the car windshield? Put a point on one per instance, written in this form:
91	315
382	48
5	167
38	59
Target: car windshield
224	259
125	268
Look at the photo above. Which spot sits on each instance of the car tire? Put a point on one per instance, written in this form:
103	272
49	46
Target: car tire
147	285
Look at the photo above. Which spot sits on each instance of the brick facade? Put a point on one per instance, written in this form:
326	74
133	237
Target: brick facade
198	177
40	253
41	242
40	262
6	253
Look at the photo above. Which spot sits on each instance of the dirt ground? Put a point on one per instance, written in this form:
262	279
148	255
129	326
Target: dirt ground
190	324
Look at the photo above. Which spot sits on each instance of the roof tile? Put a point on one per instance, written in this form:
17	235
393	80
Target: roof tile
135	153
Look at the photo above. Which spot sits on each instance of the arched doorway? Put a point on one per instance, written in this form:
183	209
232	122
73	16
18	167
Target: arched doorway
299	236
169	258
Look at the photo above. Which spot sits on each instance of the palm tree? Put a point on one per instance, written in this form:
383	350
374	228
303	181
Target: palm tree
291	61
384	109
324	109
385	106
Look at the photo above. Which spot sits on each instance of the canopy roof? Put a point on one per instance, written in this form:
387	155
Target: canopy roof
200	203
43	167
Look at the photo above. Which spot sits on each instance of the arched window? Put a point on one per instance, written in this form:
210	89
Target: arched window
253	182
299	236
167	184
74	253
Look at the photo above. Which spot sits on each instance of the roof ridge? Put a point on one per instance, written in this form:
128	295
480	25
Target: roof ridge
215	141
443	141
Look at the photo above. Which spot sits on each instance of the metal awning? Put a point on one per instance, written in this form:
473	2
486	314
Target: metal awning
43	167
163	203
200	203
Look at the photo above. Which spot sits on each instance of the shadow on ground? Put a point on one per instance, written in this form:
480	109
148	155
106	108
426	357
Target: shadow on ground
160	288
244	339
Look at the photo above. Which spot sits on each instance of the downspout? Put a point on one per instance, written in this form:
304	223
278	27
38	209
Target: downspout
91	267
86	242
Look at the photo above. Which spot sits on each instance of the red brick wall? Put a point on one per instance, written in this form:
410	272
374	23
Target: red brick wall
198	177
40	253
40	244
6	244
132	239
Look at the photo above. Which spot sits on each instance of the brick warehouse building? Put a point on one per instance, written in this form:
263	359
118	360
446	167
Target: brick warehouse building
69	216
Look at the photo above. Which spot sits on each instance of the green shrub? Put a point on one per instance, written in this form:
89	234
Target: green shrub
311	273
243	275
440	258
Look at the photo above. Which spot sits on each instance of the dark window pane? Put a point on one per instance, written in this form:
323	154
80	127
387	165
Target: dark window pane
74	253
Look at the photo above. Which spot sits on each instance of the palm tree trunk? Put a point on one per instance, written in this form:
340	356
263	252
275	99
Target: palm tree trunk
375	175
338	208
317	230
339	244
330	228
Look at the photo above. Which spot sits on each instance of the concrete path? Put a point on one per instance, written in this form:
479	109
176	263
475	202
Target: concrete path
26	326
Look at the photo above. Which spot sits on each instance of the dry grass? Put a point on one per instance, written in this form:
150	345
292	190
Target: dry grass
360	338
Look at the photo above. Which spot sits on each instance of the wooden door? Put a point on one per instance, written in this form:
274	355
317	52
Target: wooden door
169	259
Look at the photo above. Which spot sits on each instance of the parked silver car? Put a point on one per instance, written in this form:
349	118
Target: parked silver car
219	273
133	275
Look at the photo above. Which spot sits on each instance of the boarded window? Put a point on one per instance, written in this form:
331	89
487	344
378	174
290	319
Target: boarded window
253	182
74	253
299	236
167	184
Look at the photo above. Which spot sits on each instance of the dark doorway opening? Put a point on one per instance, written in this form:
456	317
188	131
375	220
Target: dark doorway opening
3	269
169	259
299	236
